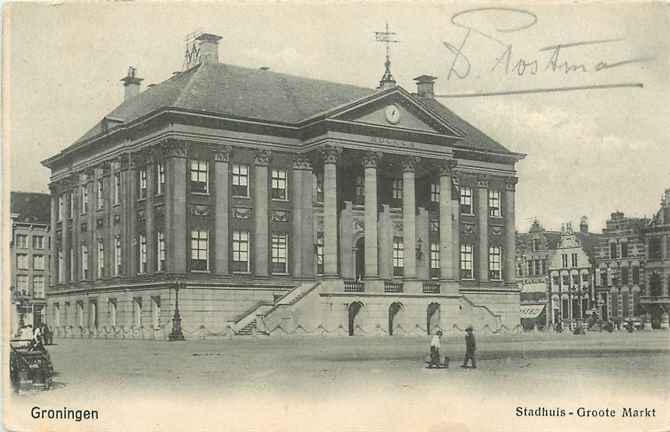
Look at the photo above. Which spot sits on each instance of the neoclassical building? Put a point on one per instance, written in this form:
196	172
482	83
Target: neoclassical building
655	298
255	201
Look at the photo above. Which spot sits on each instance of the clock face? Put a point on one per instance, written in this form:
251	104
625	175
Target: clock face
392	114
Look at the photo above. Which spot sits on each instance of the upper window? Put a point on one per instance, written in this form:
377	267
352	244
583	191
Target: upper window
613	250
279	253
117	255
435	192
143	253
494	263
466	200
160	178
117	188
434	260
319	253
279	184
564	260
636	275
101	258
143	182
575	260
84	262
396	189
655	250
22	283
21	241
624	249
199	176
240	180
38	286
161	255
398	256
22	261
241	251
624	275
199	250
38	262
100	194
84	199
494	203
466	261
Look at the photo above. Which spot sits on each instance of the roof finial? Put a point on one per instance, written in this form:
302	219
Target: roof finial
388	38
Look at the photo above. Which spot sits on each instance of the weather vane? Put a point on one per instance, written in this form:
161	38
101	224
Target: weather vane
388	38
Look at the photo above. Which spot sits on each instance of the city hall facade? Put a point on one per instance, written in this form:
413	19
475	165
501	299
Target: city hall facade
255	202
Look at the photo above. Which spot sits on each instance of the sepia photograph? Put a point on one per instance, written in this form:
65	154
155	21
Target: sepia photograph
336	216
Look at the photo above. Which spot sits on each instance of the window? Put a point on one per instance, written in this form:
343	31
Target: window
494	263
435	260
466	261
566	311
466	200
318	187
241	180
84	262
575	261
161	253
101	258
613	250
575	280
538	264
636	275
655	250
61	207
142	174
22	261
603	279
359	188
535	246
143	253
199	250
435	192
398	256
160	177
519	270
111	308
117	255
543	266
117	188
396	189
241	251
556	281
156	312
319	253
434	225
564	260
566	281
22	284
61	267
494	203
99	194
38	242
279	184
71	263
38	262
199	176
624	249
38	286
137	311
84	199
279	252
624	275
21	241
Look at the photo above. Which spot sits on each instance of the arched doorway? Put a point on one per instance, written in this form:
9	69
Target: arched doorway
433	318
355	309
395	316
360	258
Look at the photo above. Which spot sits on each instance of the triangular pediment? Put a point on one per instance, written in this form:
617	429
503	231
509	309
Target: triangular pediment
395	109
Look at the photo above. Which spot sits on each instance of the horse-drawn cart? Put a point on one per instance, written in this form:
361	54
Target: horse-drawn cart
30	366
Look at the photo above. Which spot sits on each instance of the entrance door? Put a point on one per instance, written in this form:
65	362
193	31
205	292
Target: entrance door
354	311
395	312
360	258
433	318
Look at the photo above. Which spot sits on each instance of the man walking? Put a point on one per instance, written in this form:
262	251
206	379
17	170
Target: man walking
469	348
435	350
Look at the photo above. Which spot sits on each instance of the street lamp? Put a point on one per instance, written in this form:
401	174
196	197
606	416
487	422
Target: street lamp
176	334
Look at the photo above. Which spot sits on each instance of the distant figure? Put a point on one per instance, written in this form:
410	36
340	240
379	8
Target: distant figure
469	348
435	350
47	336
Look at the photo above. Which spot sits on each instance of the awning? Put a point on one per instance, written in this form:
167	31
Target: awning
531	311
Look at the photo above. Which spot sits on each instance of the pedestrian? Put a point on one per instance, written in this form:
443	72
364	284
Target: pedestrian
469	348
36	343
435	350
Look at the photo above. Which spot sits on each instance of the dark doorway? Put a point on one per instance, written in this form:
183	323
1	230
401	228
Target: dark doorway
395	312
360	258
433	318
354	311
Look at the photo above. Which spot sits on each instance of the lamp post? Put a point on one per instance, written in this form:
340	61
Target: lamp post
176	334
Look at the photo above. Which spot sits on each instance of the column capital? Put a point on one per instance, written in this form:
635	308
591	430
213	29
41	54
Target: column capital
371	159
330	154
105	167
262	157
482	181
89	174
447	167
409	163
302	163
510	183
174	149
222	152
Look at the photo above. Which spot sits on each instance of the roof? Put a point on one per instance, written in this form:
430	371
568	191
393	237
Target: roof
31	207
246	93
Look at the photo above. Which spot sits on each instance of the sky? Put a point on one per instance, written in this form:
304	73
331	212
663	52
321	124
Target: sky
589	152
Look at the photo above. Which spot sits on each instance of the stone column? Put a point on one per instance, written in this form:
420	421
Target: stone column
409	217
108	245
149	214
261	213
76	229
510	231
91	180
55	192
302	240
483	223
221	208
447	243
330	157
308	238
65	237
456	229
123	163
176	231
370	161
131	216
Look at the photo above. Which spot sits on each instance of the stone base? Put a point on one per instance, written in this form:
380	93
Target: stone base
450	288
374	285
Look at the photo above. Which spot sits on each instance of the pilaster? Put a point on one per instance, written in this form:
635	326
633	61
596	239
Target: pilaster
483	228
176	231
221	208
510	231
261	213
370	161
409	216
330	158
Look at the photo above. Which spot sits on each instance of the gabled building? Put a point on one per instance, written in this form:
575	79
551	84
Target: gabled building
30	254
655	298
250	200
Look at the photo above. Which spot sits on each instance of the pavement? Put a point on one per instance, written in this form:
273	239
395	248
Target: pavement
356	383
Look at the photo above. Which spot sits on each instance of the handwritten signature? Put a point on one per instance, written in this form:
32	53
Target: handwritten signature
552	58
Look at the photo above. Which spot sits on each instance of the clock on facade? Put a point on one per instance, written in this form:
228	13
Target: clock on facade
392	114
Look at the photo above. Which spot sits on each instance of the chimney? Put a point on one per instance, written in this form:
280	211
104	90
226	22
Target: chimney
208	45
425	86
131	84
584	225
